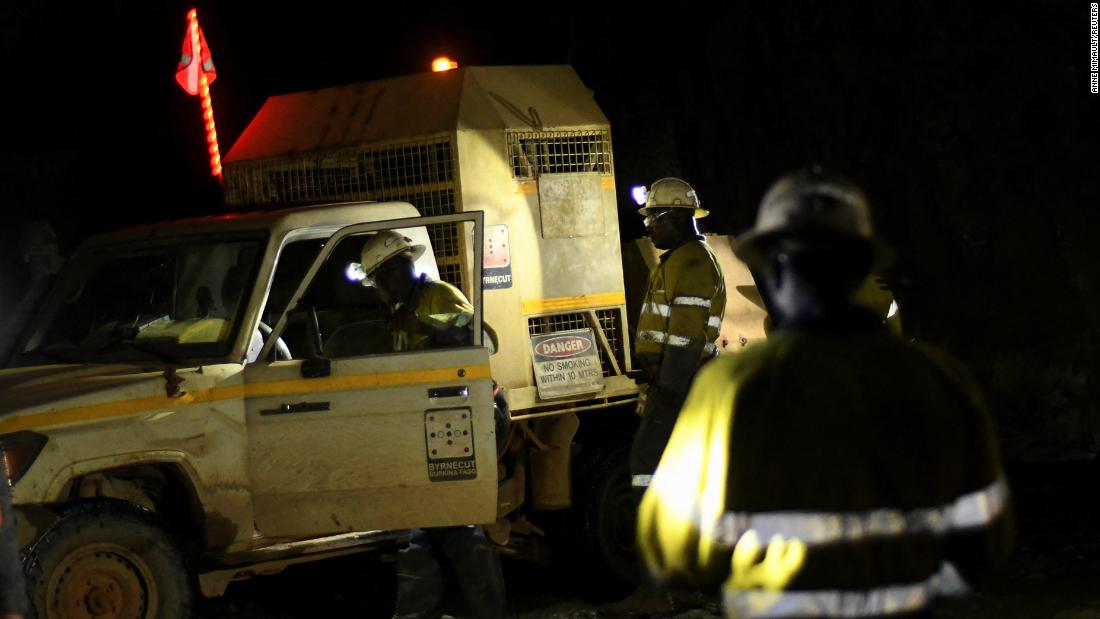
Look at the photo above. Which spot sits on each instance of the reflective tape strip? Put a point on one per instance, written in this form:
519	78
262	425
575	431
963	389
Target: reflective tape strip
677	340
661	337
890	600
641	481
979	508
970	510
692	301
715	321
652	336
659	309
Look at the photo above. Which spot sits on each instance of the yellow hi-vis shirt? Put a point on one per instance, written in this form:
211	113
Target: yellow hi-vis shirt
683	307
440	309
840	475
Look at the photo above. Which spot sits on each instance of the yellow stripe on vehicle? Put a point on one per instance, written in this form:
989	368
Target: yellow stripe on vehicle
120	408
529	187
123	408
363	381
584	301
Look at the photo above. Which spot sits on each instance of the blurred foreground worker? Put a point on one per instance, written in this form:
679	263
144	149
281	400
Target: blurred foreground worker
679	322
432	314
22	288
833	470
13	590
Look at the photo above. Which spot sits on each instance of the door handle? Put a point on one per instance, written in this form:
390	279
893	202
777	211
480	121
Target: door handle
449	392
301	407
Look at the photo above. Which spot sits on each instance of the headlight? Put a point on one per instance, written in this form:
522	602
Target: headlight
20	449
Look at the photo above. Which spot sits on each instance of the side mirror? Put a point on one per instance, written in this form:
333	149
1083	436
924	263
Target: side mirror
316	367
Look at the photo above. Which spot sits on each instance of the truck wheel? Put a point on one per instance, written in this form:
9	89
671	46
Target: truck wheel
107	558
608	518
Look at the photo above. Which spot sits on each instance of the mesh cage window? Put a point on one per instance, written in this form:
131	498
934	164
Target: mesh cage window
558	152
610	323
451	273
420	173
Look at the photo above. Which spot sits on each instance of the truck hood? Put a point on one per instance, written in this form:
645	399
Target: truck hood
54	387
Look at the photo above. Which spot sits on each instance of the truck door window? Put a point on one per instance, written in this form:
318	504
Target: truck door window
357	318
294	261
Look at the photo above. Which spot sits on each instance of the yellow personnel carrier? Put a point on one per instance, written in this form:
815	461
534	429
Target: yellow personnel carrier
529	147
220	397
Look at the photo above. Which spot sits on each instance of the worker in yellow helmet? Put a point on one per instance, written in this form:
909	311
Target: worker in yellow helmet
432	314
834	470
680	320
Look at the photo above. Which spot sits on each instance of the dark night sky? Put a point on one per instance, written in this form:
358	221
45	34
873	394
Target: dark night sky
971	126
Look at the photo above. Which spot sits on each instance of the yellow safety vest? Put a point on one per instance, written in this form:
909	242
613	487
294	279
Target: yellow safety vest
827	475
439	306
683	306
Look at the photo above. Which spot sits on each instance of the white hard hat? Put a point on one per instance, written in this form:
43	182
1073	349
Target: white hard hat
672	193
384	245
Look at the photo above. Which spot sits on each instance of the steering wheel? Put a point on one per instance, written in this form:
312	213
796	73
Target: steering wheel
282	351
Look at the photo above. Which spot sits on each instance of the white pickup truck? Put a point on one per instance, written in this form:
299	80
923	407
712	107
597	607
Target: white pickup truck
217	397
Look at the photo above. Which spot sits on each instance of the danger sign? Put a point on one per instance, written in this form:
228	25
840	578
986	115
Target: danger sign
562	346
566	363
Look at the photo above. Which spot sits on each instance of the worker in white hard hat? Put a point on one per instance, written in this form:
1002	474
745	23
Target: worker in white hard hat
426	313
680	320
432	314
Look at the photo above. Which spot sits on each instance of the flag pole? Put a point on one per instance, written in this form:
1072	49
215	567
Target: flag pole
207	104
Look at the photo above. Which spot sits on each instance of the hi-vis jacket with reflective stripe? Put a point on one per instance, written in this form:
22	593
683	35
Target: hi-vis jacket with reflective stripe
443	316
681	315
838	475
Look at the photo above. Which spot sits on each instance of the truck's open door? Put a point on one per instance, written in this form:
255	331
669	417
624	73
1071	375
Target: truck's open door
348	435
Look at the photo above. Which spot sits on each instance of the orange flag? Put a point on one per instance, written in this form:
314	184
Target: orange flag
191	64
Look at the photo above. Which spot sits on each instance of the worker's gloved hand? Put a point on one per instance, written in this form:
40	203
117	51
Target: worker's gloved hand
641	377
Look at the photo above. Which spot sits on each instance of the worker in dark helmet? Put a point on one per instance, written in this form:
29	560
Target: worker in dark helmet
833	470
680	320
431	314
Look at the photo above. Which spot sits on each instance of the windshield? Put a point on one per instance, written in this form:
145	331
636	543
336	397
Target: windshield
172	302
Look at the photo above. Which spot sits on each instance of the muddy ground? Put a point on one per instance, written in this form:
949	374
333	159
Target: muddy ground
1054	572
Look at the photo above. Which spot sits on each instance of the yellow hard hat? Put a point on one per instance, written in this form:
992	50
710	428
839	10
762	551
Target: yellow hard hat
384	245
672	193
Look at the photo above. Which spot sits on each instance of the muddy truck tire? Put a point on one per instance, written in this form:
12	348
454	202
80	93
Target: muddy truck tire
603	521
108	558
